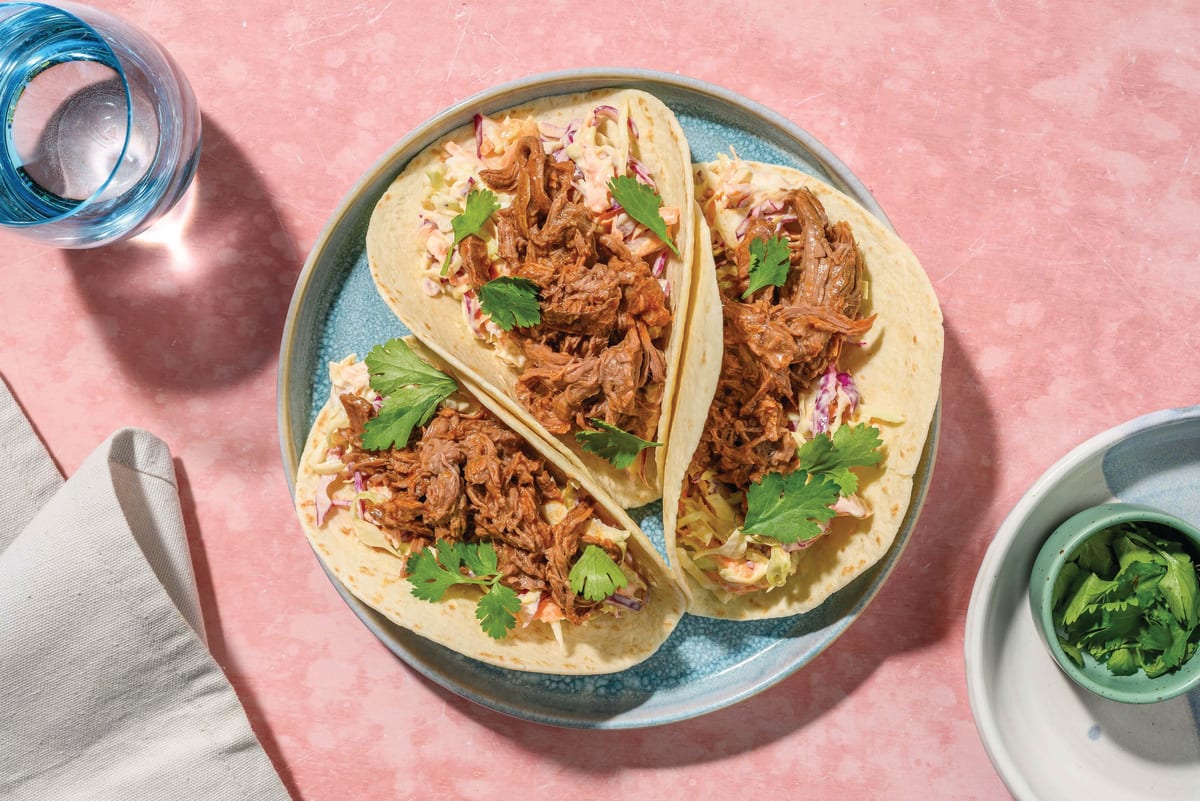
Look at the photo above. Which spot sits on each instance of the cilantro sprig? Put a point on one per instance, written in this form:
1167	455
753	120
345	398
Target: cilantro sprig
432	571
613	443
1130	599
511	302
850	446
793	507
412	392
595	575
789	508
481	203
770	261
641	203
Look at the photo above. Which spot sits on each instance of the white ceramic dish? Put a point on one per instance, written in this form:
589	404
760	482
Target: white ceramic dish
1049	739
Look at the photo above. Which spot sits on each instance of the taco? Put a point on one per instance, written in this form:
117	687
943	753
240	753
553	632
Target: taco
796	477
445	514
546	253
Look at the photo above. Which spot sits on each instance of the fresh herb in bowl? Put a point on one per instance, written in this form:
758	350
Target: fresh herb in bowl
1130	597
1116	599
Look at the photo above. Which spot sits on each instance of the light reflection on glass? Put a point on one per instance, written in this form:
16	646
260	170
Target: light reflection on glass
170	232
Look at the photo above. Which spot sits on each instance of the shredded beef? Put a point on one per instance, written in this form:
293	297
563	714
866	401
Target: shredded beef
598	351
466	477
475	258
779	341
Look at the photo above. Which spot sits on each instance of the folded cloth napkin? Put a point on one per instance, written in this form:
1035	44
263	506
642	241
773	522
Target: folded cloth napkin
107	689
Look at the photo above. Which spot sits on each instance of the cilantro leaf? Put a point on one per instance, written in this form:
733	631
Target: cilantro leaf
412	392
641	203
1070	576
450	554
1072	651
429	579
394	424
393	365
1096	555
497	611
770	261
1127	547
1180	589
1089	593
611	443
481	203
1123	661
595	575
510	302
850	446
1145	617
432	571
789	508
1156	637
481	560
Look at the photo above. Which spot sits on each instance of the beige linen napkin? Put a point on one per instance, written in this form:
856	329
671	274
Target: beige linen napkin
107	689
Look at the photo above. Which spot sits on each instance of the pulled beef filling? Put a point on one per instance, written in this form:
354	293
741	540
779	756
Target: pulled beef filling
597	351
467	477
778	341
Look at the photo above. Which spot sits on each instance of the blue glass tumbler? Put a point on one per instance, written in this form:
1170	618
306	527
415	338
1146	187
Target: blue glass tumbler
102	130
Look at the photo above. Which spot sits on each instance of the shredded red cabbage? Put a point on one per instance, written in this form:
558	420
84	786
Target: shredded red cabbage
642	173
360	486
827	393
624	600
851	390
607	111
660	264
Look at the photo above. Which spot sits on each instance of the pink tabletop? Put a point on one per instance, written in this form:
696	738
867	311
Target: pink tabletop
1038	159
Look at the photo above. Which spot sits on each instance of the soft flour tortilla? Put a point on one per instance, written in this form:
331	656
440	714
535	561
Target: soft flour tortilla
604	644
397	256
898	372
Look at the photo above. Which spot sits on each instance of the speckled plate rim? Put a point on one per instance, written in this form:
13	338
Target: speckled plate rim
991	572
292	413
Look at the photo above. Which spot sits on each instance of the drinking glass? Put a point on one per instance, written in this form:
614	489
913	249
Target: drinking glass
102	130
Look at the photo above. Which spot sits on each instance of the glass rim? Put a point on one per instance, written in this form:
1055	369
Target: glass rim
10	96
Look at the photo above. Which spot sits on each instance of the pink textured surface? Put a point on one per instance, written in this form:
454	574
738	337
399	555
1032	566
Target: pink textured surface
1037	157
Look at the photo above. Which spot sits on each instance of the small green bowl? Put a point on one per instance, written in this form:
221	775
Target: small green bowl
1058	548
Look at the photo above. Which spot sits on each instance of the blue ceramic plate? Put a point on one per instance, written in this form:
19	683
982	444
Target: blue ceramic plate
1048	738
705	664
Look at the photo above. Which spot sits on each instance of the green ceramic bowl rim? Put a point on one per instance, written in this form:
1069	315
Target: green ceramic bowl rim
1082	526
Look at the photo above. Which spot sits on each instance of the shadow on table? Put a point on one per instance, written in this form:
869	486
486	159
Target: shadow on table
198	301
195	304
215	636
923	601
